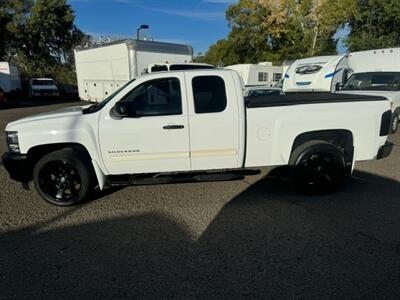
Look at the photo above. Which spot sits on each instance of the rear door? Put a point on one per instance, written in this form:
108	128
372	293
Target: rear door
213	121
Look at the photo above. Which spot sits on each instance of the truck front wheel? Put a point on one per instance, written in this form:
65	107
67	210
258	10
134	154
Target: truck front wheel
320	167
63	178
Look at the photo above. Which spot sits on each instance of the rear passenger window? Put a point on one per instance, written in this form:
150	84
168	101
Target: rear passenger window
209	94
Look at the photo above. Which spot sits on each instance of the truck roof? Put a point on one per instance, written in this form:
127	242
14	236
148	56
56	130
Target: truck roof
145	46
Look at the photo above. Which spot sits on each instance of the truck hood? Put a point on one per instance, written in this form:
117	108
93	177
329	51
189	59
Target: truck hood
71	112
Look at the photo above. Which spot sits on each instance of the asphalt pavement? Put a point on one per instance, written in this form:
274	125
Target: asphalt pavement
253	239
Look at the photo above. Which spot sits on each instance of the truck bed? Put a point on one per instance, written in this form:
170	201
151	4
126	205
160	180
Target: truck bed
306	98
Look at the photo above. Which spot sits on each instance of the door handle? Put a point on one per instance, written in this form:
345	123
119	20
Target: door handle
170	127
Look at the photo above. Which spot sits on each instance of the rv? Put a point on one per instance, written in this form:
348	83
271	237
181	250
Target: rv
316	74
102	69
258	74
376	73
10	81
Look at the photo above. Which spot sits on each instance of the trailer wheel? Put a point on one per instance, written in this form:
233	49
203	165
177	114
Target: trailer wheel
63	178
320	167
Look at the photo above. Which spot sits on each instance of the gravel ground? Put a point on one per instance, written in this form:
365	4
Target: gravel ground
255	238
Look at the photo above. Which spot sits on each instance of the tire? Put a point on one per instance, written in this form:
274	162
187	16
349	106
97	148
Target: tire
320	167
395	123
63	178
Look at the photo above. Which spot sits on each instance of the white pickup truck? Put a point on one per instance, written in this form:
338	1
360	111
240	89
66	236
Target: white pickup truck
194	126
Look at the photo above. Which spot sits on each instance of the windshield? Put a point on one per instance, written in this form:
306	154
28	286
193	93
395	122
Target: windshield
373	81
98	106
42	82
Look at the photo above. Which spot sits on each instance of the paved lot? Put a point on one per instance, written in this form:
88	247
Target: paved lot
255	238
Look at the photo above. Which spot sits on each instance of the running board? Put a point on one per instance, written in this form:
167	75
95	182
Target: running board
152	179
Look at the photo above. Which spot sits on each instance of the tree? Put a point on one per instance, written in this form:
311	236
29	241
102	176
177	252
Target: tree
375	24
49	37
39	36
13	15
277	30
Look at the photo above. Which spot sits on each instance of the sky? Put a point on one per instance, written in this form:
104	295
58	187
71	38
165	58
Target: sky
199	23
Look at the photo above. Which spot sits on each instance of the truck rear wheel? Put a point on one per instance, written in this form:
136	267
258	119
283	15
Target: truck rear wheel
395	122
63	178
320	167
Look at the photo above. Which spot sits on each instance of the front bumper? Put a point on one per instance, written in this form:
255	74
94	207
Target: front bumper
385	150
17	166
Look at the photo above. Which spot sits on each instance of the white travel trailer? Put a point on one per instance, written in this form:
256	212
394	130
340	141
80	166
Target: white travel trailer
376	73
103	69
10	79
316	74
263	73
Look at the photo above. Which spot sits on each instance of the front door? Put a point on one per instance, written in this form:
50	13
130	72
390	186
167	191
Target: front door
155	138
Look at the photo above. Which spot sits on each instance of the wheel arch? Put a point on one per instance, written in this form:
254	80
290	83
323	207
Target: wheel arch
35	153
341	138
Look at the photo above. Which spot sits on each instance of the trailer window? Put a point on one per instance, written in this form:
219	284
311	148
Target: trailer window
159	68
262	76
158	97
209	94
277	76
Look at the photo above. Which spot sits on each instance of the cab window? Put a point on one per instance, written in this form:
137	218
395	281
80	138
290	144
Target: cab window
160	97
209	94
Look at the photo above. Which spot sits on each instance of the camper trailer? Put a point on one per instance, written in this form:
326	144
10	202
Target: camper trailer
316	74
258	74
376	73
10	81
104	68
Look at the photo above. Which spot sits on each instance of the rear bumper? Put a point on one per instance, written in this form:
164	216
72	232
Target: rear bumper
17	166
385	150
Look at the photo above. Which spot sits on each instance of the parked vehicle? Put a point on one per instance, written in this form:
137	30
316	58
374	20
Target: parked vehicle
376	72
261	74
43	87
194	126
257	91
10	81
163	67
316	74
69	91
103	69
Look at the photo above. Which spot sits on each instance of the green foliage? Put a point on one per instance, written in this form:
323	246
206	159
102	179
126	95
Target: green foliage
271	30
40	37
13	14
375	25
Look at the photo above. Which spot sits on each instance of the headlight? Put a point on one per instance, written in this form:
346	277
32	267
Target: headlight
12	141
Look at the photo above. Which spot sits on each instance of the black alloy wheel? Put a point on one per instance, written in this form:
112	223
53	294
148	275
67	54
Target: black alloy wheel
320	168
60	181
64	177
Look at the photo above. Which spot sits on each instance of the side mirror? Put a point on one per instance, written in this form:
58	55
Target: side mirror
120	110
339	86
